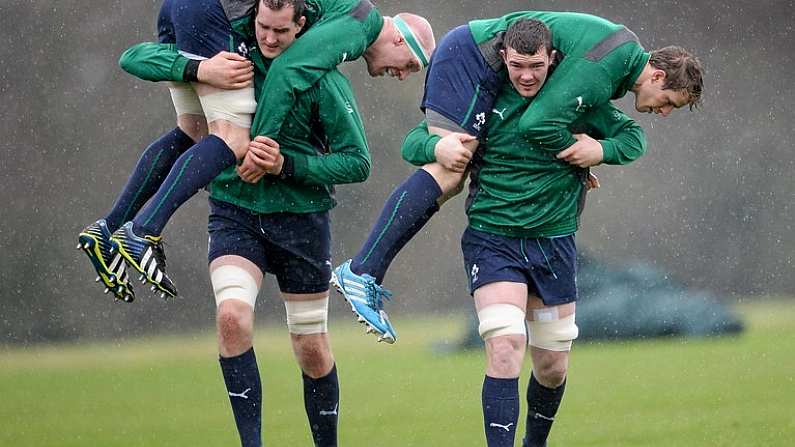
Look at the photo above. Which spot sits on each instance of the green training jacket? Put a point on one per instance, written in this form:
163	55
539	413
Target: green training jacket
519	188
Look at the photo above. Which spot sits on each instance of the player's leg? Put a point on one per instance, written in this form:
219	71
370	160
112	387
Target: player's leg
460	88
551	329
550	365
500	307
307	316
148	174
202	30
236	269
299	255
495	267
153	166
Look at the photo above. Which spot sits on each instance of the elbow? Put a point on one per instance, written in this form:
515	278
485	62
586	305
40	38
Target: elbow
127	59
408	154
362	170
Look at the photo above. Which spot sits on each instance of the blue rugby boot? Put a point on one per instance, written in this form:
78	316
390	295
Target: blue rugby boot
366	298
94	240
146	255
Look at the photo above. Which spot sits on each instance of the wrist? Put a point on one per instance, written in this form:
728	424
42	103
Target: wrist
191	72
287	168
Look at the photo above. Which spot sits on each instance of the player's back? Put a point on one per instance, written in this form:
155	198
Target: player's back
574	34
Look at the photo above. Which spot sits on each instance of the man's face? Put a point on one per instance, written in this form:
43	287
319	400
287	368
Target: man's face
651	97
395	59
276	30
527	72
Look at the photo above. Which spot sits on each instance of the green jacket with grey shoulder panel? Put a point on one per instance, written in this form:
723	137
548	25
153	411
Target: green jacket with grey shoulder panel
602	60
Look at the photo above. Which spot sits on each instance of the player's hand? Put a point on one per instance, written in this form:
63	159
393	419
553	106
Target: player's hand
452	153
249	171
592	182
266	154
226	70
586	152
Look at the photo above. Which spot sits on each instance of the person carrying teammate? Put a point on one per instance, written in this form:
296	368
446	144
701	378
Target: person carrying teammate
600	61
172	169
519	249
280	225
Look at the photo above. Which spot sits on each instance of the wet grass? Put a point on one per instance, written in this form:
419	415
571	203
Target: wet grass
734	391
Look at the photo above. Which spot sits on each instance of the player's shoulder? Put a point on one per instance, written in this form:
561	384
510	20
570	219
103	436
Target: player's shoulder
334	80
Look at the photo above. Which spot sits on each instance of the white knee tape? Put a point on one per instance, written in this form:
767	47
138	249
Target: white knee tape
307	317
185	99
231	282
501	319
235	106
553	335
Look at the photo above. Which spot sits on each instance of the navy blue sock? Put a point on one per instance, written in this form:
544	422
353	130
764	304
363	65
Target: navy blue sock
542	406
241	376
152	168
500	410
193	170
405	212
322	402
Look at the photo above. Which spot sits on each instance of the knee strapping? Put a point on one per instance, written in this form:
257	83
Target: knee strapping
501	319
233	282
553	335
185	99
307	317
235	106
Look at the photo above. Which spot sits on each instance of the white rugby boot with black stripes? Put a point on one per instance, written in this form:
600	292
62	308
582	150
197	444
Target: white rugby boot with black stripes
95	242
146	255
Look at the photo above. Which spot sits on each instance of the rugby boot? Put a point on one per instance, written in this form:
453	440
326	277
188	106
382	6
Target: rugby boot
146	255
111	270
366	298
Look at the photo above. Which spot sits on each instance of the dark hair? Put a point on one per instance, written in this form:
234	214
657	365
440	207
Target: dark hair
682	72
276	5
526	36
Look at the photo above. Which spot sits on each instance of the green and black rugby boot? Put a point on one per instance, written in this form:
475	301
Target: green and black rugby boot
94	240
146	255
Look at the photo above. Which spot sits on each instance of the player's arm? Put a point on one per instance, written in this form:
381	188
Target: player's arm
605	135
452	150
419	145
623	140
349	158
156	62
565	97
296	70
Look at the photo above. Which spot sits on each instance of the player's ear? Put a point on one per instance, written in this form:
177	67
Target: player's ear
504	56
658	75
301	22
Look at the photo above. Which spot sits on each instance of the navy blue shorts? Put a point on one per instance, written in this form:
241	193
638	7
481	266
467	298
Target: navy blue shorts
460	86
547	265
199	28
296	248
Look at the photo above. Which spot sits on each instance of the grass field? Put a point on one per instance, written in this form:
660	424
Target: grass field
735	391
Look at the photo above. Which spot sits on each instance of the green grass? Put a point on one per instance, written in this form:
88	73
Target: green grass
734	391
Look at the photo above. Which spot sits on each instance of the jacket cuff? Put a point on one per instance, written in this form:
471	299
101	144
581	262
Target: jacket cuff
609	152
